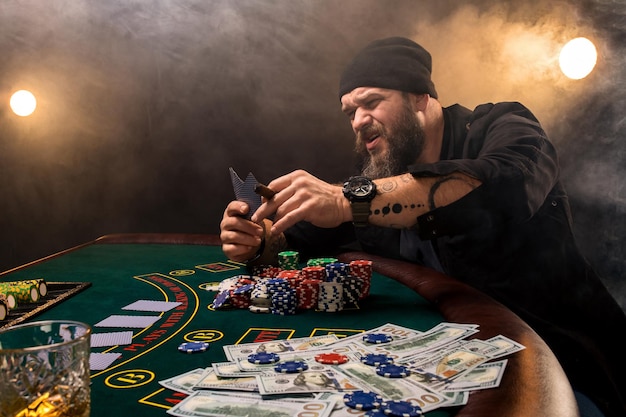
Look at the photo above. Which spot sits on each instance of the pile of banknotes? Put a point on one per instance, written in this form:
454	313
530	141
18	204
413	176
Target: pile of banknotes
442	367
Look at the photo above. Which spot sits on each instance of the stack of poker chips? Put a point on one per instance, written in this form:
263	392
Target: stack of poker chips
323	284
4	306
25	291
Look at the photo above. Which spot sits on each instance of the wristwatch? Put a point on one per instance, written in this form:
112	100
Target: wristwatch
360	191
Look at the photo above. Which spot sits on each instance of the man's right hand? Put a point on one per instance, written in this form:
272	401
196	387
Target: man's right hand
241	238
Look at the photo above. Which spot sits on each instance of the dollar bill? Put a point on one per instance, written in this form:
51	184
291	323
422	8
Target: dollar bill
209	404
479	346
229	370
440	335
487	375
506	346
184	382
391	388
209	380
446	364
318	380
241	367
234	352
456	398
397	333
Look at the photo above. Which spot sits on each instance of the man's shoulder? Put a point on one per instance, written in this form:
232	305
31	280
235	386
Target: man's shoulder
489	112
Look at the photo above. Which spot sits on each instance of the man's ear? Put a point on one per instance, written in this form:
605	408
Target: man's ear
419	102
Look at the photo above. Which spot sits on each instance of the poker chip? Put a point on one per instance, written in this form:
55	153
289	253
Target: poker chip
263	358
393	371
377	338
399	408
374	413
193	347
221	298
373	359
362	400
331	358
259	309
290	367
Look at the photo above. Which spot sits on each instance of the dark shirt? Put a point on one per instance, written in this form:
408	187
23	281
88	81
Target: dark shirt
512	239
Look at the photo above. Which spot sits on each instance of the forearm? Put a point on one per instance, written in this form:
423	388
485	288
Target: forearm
401	199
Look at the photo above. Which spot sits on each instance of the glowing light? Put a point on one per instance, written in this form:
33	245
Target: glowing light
578	58
23	103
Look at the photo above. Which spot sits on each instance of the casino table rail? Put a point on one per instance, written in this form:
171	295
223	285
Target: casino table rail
534	383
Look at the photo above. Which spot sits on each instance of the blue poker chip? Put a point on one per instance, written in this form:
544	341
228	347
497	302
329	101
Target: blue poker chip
373	359
291	367
221	298
399	408
244	289
263	358
362	400
374	413
193	347
393	371
377	338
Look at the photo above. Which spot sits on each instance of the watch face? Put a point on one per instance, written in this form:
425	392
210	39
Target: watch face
359	189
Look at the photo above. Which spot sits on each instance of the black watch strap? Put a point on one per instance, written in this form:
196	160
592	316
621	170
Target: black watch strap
360	213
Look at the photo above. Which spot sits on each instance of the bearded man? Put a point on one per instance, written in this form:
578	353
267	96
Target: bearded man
473	194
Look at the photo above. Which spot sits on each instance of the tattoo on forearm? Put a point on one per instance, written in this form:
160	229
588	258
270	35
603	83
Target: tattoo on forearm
387	187
396	208
435	187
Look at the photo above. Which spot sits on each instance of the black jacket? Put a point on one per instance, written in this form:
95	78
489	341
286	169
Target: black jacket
512	239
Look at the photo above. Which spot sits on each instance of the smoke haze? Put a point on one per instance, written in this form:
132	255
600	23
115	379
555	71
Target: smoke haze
143	106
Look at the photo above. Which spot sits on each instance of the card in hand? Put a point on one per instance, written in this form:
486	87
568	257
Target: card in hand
244	191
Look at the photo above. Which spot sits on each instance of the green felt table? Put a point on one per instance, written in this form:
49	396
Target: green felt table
121	274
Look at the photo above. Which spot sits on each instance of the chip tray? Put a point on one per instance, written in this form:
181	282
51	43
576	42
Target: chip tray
57	292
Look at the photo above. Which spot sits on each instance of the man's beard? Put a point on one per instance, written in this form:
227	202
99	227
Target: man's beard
405	143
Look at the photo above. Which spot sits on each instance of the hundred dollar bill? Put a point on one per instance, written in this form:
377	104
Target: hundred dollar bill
241	367
440	335
445	364
209	380
234	352
229	370
487	375
184	382
506	346
207	404
391	388
301	356
319	380
397	333
456	398
479	346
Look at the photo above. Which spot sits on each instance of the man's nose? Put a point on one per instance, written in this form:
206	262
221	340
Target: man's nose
361	119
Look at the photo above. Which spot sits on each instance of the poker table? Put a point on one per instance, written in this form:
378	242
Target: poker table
117	270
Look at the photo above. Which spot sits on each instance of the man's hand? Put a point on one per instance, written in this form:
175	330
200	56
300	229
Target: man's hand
241	238
301	196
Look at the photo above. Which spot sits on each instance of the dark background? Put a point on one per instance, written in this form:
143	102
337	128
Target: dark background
143	105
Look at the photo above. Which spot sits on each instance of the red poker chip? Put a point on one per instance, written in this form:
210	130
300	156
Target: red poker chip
331	358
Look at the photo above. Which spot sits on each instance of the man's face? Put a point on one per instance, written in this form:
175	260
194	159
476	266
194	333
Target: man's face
388	133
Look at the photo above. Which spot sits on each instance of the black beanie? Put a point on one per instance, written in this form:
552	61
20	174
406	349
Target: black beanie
394	63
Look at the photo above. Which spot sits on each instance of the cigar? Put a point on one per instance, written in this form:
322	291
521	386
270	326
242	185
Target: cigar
264	191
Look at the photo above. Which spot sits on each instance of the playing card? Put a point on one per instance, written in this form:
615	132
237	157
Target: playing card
244	191
150	305
111	339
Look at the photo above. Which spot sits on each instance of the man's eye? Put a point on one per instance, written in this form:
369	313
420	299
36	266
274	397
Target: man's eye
371	104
